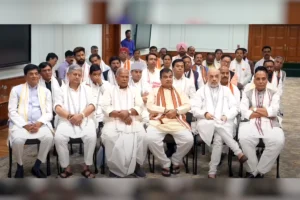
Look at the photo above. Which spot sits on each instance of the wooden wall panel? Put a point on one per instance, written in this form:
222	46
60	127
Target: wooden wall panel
8	84
255	42
293	44
110	41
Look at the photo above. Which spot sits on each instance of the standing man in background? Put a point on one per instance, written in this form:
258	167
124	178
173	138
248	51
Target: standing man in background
62	68
128	43
94	50
52	58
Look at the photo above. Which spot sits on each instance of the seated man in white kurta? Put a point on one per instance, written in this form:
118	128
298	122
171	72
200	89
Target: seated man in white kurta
30	113
260	105
99	86
75	107
123	134
143	87
215	109
167	107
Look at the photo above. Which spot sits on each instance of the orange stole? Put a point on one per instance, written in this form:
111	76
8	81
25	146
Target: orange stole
127	65
203	72
158	64
231	88
161	98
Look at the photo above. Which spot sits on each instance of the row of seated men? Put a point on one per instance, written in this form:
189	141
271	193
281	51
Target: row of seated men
125	100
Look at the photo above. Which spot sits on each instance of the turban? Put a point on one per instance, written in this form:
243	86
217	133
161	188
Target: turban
124	49
181	44
137	66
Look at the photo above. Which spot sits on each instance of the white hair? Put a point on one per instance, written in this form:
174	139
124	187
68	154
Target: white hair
74	67
120	70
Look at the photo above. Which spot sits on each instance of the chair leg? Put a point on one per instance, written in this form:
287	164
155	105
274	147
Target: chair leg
80	149
103	163
95	161
153	163
57	165
241	171
149	160
277	173
187	164
203	148
48	165
71	147
230	163
195	159
10	160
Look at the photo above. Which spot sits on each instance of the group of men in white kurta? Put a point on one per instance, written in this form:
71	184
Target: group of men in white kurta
140	106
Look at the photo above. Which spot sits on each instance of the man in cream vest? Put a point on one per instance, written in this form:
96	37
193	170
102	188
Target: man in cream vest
30	113
167	107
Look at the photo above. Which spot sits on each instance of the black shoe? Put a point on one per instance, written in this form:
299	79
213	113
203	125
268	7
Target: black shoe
259	176
222	158
139	172
38	173
19	173
249	175
112	175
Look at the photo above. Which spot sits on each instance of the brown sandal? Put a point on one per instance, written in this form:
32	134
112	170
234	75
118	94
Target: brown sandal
65	174
87	174
166	172
176	169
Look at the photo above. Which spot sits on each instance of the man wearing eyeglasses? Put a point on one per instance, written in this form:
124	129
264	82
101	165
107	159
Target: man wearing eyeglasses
266	51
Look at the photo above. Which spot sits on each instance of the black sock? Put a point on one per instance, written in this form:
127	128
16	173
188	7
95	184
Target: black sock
19	167
37	164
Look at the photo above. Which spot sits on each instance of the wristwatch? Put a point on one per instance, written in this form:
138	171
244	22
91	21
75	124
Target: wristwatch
254	109
129	111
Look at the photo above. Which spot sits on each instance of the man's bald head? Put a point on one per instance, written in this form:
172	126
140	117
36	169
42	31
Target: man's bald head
122	77
213	77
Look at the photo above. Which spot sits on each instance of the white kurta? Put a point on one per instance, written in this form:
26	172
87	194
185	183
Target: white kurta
261	62
75	102
186	85
242	70
271	134
200	78
124	144
152	78
142	87
98	92
54	86
18	113
218	102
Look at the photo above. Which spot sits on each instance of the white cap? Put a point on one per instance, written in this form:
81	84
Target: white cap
137	66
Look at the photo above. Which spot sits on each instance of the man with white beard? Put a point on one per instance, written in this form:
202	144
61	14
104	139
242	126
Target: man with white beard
123	134
215	109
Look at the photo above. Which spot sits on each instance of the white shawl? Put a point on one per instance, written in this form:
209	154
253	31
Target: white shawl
111	78
54	85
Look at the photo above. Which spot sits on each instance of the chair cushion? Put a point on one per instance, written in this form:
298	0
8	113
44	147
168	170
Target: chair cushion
261	143
75	141
32	141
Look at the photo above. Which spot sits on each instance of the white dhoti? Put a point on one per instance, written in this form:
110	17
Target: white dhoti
208	130
18	137
184	141
63	134
123	150
249	138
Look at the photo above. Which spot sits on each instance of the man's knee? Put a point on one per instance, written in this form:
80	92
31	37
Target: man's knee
48	138
59	138
18	142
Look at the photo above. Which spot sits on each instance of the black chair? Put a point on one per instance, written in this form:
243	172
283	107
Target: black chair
78	141
28	142
168	140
